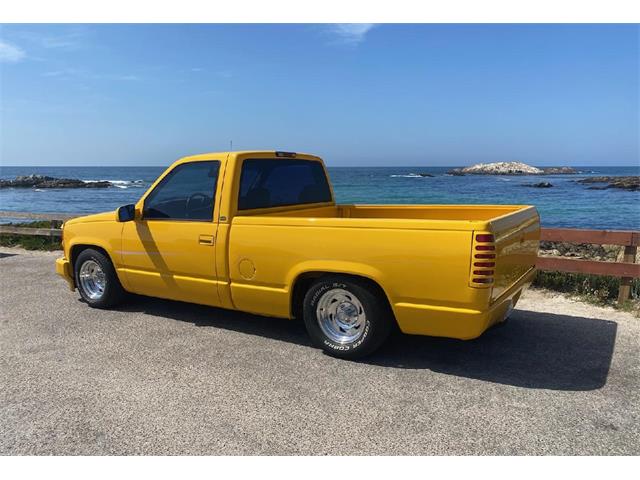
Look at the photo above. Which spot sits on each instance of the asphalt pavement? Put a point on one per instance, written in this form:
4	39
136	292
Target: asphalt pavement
162	377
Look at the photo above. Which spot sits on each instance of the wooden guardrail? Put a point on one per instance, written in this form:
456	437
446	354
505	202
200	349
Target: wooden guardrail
55	221
43	232
627	270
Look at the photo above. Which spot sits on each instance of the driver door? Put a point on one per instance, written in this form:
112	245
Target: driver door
170	251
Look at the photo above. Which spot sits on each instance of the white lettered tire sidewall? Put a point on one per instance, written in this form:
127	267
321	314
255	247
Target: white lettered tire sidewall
377	324
113	292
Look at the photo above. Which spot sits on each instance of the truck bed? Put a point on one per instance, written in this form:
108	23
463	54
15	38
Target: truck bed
420	248
466	217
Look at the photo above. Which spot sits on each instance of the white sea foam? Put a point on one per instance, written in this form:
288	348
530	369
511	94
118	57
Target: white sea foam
409	175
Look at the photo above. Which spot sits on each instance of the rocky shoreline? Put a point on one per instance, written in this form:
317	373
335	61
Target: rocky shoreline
44	181
584	251
511	168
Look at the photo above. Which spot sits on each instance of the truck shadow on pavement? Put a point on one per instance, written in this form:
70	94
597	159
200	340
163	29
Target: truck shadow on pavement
532	350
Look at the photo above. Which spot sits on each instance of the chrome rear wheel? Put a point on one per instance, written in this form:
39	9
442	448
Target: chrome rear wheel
341	316
346	317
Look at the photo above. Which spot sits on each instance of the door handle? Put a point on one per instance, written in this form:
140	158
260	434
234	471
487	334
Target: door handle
206	239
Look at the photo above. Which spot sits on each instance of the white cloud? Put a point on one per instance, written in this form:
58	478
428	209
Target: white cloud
68	72
10	53
349	33
119	77
85	75
68	39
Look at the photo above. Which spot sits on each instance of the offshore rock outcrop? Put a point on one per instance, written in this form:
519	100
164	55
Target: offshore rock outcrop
498	168
631	183
511	168
559	171
538	185
44	181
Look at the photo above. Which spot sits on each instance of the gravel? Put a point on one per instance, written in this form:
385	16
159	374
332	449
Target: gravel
161	377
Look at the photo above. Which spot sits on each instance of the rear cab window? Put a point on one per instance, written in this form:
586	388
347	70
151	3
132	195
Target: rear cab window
267	183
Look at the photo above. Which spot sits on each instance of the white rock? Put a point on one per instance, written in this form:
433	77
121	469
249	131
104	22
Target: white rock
502	168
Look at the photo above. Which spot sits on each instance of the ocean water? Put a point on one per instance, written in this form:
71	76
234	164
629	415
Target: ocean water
566	204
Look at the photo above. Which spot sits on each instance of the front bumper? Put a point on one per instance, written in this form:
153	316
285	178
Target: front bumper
63	268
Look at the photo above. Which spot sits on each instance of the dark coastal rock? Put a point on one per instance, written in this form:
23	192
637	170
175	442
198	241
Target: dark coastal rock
98	184
538	185
455	172
559	171
426	175
609	253
44	181
631	183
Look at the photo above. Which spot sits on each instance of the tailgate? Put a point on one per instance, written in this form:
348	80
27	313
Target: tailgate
517	236
505	251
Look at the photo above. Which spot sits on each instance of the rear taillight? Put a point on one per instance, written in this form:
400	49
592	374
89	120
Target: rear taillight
483	260
484	264
484	238
484	255
483	280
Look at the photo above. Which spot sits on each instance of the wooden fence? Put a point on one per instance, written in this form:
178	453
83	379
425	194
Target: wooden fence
627	270
55	221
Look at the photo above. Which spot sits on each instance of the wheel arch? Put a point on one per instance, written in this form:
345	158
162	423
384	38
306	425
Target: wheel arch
76	249
304	280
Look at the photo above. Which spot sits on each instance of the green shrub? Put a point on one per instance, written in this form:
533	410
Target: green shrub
600	289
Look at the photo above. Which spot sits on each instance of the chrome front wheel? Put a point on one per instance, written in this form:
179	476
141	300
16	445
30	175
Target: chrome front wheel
96	279
92	279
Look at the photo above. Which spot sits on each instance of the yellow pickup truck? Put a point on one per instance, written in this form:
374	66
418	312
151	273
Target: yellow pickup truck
260	232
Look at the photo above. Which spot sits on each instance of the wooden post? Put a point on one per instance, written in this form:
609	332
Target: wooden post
625	282
55	224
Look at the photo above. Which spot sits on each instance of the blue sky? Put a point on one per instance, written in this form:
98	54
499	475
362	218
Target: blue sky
355	94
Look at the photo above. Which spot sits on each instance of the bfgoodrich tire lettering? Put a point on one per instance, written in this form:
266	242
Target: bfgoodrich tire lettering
346	317
97	280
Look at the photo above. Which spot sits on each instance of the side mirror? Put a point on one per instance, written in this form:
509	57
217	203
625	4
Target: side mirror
126	213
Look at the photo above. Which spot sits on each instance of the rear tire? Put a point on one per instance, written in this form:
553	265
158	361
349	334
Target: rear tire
345	317
96	279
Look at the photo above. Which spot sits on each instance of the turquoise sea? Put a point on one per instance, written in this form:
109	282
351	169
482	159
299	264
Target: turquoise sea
567	203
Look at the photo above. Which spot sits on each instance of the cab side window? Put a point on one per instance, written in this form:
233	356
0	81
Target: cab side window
186	193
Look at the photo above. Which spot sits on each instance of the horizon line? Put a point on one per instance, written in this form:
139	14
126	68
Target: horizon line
330	166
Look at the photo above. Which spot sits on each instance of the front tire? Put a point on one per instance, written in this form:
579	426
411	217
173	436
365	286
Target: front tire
346	317
96	279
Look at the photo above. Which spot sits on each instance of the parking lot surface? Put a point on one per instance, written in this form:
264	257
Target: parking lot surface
161	377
